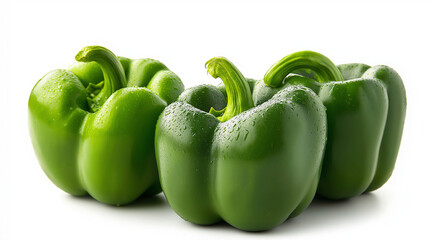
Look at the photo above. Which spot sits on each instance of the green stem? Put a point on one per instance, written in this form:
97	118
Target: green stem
113	73
236	86
324	68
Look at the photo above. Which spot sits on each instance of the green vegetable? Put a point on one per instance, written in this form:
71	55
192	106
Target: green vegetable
100	139
366	112
252	166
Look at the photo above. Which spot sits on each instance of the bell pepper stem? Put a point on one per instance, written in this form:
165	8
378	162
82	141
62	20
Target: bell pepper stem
237	89
113	73
324	68
216	112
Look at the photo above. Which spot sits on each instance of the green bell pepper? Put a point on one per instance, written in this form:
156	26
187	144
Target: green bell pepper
366	112
251	166
100	139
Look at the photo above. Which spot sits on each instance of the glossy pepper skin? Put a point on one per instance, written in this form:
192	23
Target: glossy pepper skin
251	166
92	126
366	111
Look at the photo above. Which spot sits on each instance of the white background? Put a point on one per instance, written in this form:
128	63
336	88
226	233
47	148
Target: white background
39	36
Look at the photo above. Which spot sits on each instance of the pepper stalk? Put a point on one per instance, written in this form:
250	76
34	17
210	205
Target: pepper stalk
323	67
113	73
237	89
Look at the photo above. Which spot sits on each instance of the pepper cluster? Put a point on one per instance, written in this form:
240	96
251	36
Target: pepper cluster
250	152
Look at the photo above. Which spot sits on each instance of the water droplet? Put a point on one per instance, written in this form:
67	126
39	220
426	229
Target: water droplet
245	135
